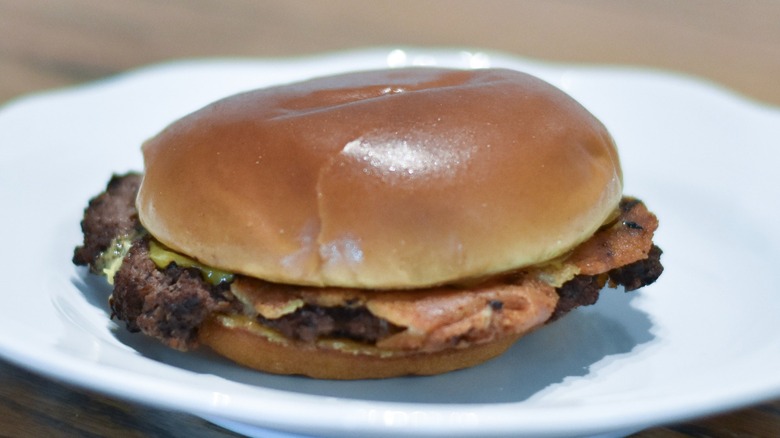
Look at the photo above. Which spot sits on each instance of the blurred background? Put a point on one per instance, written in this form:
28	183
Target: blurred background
50	43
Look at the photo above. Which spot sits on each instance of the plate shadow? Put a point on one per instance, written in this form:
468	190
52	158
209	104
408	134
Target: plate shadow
562	350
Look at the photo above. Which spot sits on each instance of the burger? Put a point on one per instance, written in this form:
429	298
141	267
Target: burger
371	224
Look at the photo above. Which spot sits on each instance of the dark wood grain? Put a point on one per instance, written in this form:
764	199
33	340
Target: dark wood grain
46	44
33	406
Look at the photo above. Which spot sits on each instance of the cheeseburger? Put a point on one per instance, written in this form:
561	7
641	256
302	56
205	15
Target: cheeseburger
370	224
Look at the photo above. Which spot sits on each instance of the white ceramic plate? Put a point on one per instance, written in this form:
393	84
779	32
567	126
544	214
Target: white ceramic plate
701	340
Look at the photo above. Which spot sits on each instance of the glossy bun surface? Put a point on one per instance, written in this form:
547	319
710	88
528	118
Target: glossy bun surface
398	178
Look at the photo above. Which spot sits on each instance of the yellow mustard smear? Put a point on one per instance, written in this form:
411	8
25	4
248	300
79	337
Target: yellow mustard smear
163	256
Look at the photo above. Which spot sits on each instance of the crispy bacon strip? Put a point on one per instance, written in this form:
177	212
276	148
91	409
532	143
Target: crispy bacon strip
437	318
431	319
627	240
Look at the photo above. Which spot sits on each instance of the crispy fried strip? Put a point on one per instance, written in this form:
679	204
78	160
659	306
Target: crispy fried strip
625	241
434	318
447	316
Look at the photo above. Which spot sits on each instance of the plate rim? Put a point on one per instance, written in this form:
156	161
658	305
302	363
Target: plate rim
37	362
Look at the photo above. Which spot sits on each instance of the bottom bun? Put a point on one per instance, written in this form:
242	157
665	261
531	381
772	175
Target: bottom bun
251	344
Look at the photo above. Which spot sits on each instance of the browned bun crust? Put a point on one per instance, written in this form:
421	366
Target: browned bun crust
245	346
389	179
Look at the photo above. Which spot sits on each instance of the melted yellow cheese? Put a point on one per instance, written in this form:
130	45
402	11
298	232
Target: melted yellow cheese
243	322
110	260
162	257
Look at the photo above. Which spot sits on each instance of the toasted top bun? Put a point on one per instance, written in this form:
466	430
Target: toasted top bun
398	178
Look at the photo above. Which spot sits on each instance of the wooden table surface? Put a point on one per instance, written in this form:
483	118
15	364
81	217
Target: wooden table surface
47	43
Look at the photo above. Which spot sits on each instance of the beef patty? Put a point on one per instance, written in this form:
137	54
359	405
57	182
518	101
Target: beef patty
171	303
